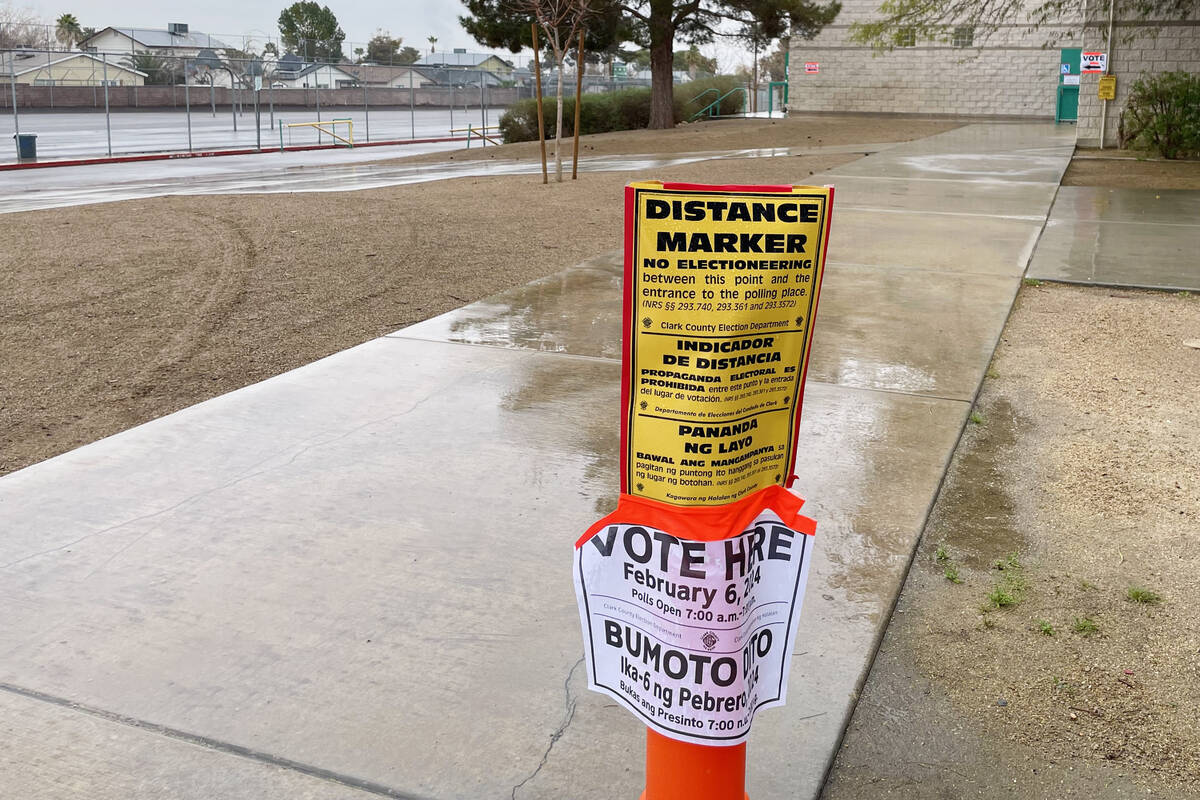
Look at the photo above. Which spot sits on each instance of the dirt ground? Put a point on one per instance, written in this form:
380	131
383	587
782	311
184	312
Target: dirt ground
1122	169
114	314
1045	643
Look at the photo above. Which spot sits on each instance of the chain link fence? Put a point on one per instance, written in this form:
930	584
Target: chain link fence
119	40
196	92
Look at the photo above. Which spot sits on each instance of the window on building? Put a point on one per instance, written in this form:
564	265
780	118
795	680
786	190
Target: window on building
906	37
964	36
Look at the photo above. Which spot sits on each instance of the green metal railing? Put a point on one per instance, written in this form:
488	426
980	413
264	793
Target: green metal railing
706	91
712	110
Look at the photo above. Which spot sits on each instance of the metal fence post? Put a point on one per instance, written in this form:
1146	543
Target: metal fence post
212	93
482	108
451	101
187	103
12	82
412	107
271	102
107	119
257	123
233	103
367	110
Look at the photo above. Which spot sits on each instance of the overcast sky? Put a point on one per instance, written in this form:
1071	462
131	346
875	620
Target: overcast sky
412	20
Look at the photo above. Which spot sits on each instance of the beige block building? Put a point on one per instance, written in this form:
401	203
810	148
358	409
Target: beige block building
1013	72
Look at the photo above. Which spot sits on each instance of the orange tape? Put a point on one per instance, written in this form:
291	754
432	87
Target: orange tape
706	523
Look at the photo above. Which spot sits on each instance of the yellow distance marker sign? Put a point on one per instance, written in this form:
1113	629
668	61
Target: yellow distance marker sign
721	285
1106	89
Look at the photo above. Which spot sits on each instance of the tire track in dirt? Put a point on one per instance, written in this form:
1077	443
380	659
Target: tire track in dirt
225	291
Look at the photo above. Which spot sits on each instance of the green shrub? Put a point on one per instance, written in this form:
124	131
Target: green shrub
621	110
1163	114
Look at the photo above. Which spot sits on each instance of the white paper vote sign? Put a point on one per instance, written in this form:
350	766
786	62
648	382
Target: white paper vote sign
694	636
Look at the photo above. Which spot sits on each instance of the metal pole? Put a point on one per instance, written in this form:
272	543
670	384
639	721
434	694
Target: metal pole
212	93
482	109
367	110
233	102
107	120
257	123
451	101
12	82
187	103
412	108
271	102
1107	67
578	103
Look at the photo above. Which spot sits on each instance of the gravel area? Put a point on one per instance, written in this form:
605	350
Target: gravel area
1122	169
1045	644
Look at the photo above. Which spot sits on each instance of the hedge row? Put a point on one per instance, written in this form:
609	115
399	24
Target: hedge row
622	110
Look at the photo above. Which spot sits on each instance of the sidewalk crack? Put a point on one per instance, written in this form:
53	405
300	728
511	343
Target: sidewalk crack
568	716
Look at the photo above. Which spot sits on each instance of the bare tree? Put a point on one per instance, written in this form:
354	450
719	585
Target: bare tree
19	27
561	21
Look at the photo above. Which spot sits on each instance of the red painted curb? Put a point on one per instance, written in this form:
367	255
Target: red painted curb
76	162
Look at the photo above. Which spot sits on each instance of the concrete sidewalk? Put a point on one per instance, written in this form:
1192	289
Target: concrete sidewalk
1146	238
353	579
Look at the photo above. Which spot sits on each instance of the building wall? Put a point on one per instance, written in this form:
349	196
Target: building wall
82	71
112	42
402	80
1136	50
325	77
497	66
1011	73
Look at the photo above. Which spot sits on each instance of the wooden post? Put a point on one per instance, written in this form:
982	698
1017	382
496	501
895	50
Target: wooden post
578	103
537	69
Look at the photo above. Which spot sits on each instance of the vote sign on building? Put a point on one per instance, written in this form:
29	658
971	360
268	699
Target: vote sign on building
690	591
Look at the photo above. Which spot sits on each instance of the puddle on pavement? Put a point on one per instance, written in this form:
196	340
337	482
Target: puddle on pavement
360	176
975	515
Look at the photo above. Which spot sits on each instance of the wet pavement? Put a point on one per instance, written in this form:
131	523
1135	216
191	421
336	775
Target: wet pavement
321	171
76	134
1148	238
357	573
